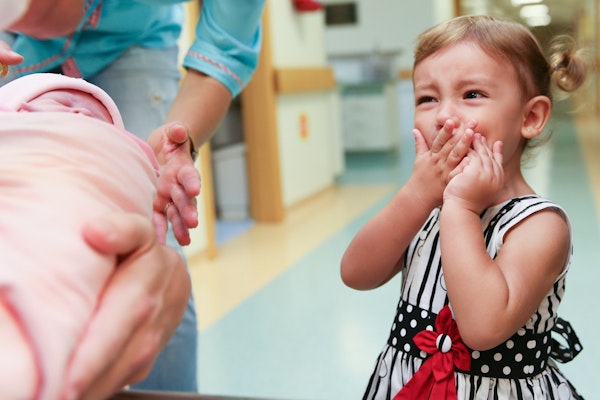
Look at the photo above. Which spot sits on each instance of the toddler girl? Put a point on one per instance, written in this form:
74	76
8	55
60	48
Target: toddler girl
483	258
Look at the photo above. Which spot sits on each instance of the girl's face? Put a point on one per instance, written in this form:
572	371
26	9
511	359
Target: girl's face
464	83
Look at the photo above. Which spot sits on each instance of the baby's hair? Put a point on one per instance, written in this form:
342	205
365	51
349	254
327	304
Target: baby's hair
564	67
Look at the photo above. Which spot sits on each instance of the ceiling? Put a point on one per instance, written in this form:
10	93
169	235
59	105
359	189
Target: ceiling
562	13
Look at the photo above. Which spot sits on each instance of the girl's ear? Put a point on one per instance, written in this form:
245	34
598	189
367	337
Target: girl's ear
537	112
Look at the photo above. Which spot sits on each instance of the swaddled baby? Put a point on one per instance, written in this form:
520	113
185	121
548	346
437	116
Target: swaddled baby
65	158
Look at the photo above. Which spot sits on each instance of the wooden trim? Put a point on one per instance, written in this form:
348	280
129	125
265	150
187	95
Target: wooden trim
596	67
457	8
259	118
208	196
405	74
296	80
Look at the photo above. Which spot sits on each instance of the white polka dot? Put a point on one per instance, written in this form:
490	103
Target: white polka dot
510	344
429	328
543	364
424	314
400	317
521	332
528	369
475	354
518	357
394	342
413	323
578	347
485	369
403	332
549	349
531	344
394	327
406	347
423	354
545	339
538	354
497	357
506	370
409	308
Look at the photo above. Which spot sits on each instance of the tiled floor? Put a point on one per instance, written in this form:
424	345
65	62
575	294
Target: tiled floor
277	322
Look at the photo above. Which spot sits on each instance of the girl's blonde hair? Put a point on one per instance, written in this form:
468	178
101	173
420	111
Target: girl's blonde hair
565	67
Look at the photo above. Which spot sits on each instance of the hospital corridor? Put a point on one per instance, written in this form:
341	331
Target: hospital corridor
192	174
275	319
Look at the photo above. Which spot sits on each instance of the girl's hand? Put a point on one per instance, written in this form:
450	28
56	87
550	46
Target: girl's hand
178	182
434	165
477	181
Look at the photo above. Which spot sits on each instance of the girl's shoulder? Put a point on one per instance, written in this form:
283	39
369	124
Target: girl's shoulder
515	210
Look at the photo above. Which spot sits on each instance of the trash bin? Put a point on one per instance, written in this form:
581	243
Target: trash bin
230	180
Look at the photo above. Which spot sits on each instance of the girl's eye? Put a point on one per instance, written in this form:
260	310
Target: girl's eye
425	99
473	94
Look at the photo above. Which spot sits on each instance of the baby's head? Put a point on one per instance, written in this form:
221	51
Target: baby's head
70	101
512	42
59	93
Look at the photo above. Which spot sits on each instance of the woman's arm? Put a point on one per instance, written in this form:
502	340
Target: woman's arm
44	19
219	64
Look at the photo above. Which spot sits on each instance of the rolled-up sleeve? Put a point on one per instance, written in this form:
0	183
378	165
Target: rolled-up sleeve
228	41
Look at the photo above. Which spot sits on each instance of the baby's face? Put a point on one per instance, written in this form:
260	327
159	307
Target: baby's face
71	101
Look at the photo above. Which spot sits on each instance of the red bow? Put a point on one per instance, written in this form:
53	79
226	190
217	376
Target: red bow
435	378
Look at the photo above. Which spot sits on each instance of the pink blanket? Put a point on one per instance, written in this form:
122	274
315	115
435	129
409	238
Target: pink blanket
57	171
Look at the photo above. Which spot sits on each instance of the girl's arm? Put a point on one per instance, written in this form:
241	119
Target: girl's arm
375	254
492	298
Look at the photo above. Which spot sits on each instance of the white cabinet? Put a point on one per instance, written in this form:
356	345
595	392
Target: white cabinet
369	119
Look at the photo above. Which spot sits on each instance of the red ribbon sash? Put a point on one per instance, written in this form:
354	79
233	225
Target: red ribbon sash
435	378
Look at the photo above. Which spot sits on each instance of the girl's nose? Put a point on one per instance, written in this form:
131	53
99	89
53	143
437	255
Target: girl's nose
446	111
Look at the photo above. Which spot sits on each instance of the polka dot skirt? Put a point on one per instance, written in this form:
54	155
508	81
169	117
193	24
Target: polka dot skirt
523	355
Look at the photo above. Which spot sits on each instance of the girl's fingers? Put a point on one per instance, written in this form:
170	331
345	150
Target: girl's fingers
420	143
444	136
463	146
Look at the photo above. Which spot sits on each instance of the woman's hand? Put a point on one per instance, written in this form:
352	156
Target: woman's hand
140	308
178	182
8	57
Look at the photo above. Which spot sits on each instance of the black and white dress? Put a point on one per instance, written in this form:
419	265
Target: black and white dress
520	368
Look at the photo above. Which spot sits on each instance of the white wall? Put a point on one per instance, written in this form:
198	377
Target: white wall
308	124
388	29
384	25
